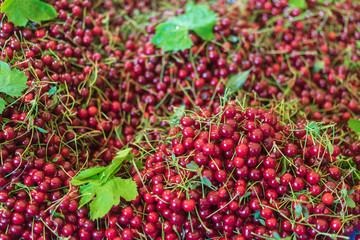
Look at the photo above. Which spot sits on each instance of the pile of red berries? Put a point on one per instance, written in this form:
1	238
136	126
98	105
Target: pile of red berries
95	81
236	173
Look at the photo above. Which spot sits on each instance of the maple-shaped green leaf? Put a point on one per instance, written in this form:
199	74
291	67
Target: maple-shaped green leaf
354	125
116	163
86	198
88	173
106	197
21	11
201	20
2	105
101	184
173	35
12	82
126	188
87	193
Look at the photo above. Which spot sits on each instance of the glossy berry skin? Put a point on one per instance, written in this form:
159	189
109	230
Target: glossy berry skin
242	150
313	177
327	198
188	205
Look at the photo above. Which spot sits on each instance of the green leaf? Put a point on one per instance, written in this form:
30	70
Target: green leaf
354	125
12	82
41	130
87	193
350	202
87	173
323	1
9	99
201	20
301	4
179	112
206	181
127	188
192	166
2	105
56	214
233	39
20	11
298	210
104	200
257	215
330	147
306	213
85	199
236	81
344	192
357	43
139	165
116	164
246	194
318	66
276	235
351	192
173	35
52	90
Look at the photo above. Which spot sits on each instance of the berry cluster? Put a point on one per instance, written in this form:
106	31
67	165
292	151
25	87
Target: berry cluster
236	173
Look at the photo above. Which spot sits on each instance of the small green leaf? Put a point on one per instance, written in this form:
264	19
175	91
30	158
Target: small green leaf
306	213
12	82
139	165
330	147
298	210
52	90
192	166
276	235
246	194
2	105
56	214
357	43
351	192
350	202
344	192
179	112
41	130
301	4
354	125
206	181
318	66
173	35
233	39
20	11
139	137
257	215
236	81
88	173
